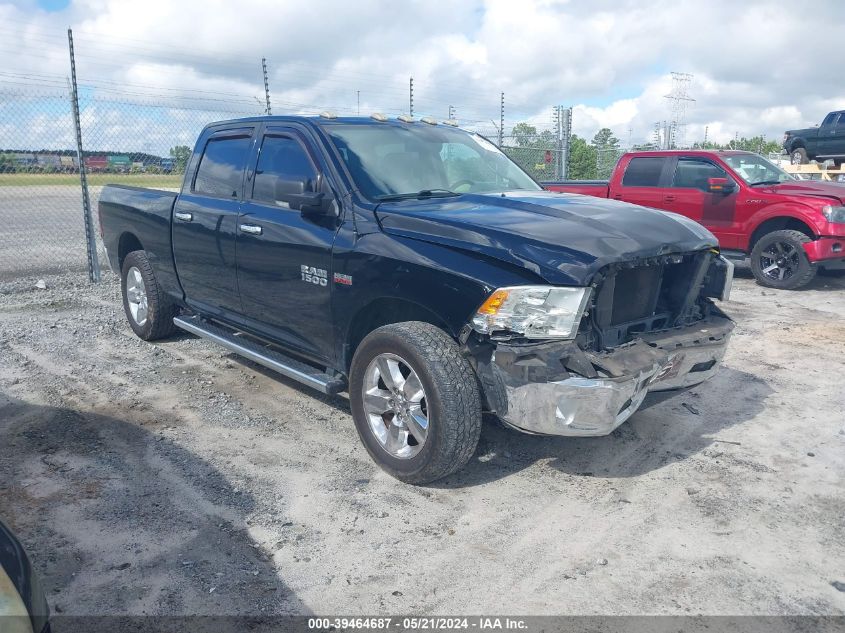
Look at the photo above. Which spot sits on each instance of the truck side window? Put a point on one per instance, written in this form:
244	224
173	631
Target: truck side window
692	173
283	158
221	167
643	172
830	119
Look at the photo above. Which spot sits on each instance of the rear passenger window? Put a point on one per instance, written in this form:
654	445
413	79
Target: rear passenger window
694	174
221	167
281	158
643	172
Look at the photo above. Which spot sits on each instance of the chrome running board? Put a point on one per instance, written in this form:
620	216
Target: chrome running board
263	355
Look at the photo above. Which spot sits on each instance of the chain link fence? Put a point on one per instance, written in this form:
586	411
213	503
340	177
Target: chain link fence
41	218
127	139
542	164
132	139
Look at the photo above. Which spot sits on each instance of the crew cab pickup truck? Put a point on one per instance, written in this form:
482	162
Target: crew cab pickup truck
820	143
414	266
789	228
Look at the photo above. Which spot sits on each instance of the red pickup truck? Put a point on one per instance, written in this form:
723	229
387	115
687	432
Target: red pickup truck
788	227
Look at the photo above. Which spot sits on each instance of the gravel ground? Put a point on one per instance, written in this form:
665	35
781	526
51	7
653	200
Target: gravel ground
174	478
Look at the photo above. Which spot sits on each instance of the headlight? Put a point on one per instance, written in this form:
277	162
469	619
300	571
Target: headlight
834	214
533	311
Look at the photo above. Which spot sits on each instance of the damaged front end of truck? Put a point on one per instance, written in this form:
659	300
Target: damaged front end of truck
641	331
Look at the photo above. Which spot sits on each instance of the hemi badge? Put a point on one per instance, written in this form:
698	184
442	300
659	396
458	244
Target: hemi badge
346	280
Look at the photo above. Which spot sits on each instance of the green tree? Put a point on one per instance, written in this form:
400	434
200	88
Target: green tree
607	152
604	139
757	144
524	134
180	155
582	159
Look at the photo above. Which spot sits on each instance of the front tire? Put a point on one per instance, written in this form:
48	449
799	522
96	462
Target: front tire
148	309
415	401
799	156
778	260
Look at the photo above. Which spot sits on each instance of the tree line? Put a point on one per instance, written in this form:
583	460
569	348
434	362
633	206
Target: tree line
596	158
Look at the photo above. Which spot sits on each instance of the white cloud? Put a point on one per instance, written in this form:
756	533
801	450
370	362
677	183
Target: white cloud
609	59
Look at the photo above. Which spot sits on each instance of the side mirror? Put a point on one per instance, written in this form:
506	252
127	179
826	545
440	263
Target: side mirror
299	195
721	185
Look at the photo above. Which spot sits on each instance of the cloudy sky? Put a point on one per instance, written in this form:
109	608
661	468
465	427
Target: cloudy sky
758	67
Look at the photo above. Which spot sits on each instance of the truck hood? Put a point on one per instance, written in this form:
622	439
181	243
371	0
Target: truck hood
563	238
814	188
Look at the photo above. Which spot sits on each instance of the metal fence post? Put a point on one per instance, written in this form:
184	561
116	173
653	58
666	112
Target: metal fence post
266	85
90	239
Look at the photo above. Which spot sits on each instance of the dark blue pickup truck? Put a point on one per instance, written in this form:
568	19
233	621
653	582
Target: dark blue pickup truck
413	265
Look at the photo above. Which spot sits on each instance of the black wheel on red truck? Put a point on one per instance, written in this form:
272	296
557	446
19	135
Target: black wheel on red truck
778	260
799	156
415	401
148	309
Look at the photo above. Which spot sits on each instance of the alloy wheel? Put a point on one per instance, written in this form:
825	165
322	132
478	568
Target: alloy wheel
779	260
395	406
136	296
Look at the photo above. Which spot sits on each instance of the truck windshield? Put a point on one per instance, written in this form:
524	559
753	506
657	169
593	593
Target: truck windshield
391	161
756	170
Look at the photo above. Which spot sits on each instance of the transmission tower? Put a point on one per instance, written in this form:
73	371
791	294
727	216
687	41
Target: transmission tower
679	100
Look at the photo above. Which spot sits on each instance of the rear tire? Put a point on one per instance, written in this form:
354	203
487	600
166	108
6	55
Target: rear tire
148	309
799	156
425	373
778	260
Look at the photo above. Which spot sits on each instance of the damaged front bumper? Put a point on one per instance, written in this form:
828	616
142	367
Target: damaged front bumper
558	389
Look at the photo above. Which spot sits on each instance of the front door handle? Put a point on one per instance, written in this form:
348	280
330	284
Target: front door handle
668	198
252	229
185	217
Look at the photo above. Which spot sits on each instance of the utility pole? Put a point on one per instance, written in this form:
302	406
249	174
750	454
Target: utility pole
266	86
411	97
565	140
706	130
359	102
558	137
90	239
502	120
451	112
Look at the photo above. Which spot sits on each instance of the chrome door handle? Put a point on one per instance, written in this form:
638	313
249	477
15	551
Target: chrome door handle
252	229
185	217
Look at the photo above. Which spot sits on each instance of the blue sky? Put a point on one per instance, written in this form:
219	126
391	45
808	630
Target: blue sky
53	5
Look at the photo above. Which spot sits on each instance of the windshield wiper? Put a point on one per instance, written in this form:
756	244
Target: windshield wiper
764	182
424	193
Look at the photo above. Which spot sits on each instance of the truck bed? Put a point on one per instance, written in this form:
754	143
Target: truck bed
595	188
143	213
